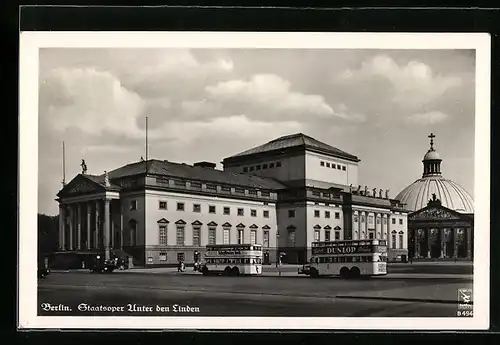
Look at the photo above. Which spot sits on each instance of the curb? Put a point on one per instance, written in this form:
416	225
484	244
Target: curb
400	299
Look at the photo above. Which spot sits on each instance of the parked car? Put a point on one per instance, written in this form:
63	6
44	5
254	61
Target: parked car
43	272
103	266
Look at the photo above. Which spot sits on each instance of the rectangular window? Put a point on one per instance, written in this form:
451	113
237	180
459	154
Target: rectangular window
162	257
316	213
197	208
327	235
257	167
400	241
266	214
253	236
162	235
343	167
150	259
266	239
180	256
240	212
338	166
225	237
252	168
240	236
211	209
337	215
180	206
133	205
400	221
322	163
337	235
180	235
245	169
162	205
393	244
291	213
327	165
271	165
253	213
333	165
370	235
393	220
196	236
278	164
291	238
212	235
316	235
264	166
227	210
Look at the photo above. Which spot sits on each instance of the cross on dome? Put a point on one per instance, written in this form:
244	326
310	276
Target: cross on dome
432	136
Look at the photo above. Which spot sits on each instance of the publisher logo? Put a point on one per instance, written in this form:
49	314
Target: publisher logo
464	298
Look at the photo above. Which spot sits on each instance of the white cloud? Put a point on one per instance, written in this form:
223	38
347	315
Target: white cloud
412	84
92	101
232	127
429	118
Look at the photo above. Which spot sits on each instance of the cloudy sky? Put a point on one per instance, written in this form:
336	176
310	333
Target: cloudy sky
209	104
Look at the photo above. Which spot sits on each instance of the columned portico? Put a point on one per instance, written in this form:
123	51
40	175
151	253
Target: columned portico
440	233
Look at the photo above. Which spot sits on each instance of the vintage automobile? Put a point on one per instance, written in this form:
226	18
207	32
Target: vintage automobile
103	266
43	272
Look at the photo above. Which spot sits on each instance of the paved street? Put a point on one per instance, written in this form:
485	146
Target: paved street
432	294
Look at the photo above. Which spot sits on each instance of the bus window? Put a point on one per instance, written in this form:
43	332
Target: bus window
316	260
348	259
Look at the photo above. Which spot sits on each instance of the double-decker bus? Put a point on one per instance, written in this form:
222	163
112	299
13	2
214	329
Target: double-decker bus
349	259
232	259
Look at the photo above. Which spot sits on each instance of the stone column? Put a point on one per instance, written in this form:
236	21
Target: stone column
88	226
416	242
71	226
97	243
455	244
79	226
469	242
428	234
442	241
112	237
121	225
62	227
106	229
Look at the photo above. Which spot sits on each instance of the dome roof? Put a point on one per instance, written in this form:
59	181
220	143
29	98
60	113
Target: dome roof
431	155
451	195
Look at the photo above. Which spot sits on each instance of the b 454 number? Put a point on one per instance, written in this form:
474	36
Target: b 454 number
464	313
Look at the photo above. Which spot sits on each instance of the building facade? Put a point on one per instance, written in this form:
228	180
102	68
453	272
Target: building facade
441	218
284	195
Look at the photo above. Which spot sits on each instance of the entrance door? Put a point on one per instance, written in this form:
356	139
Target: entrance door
266	259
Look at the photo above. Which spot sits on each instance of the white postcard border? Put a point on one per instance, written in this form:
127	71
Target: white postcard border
30	42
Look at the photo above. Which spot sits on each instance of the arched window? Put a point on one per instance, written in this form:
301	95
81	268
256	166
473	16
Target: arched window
393	239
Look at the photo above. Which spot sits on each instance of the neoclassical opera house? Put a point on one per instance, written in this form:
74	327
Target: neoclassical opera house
441	224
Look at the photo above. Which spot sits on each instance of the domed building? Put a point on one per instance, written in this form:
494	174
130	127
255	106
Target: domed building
442	219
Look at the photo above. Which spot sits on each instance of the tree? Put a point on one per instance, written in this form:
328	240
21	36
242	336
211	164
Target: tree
48	233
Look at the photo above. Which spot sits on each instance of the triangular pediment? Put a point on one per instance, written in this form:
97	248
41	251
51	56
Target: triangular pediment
212	224
435	213
180	222
317	227
266	227
81	185
328	227
253	226
196	222
240	225
337	228
226	225
163	221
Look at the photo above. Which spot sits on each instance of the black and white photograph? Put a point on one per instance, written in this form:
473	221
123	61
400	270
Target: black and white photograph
254	180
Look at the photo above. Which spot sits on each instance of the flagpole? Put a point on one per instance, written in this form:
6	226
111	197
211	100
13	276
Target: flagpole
63	165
